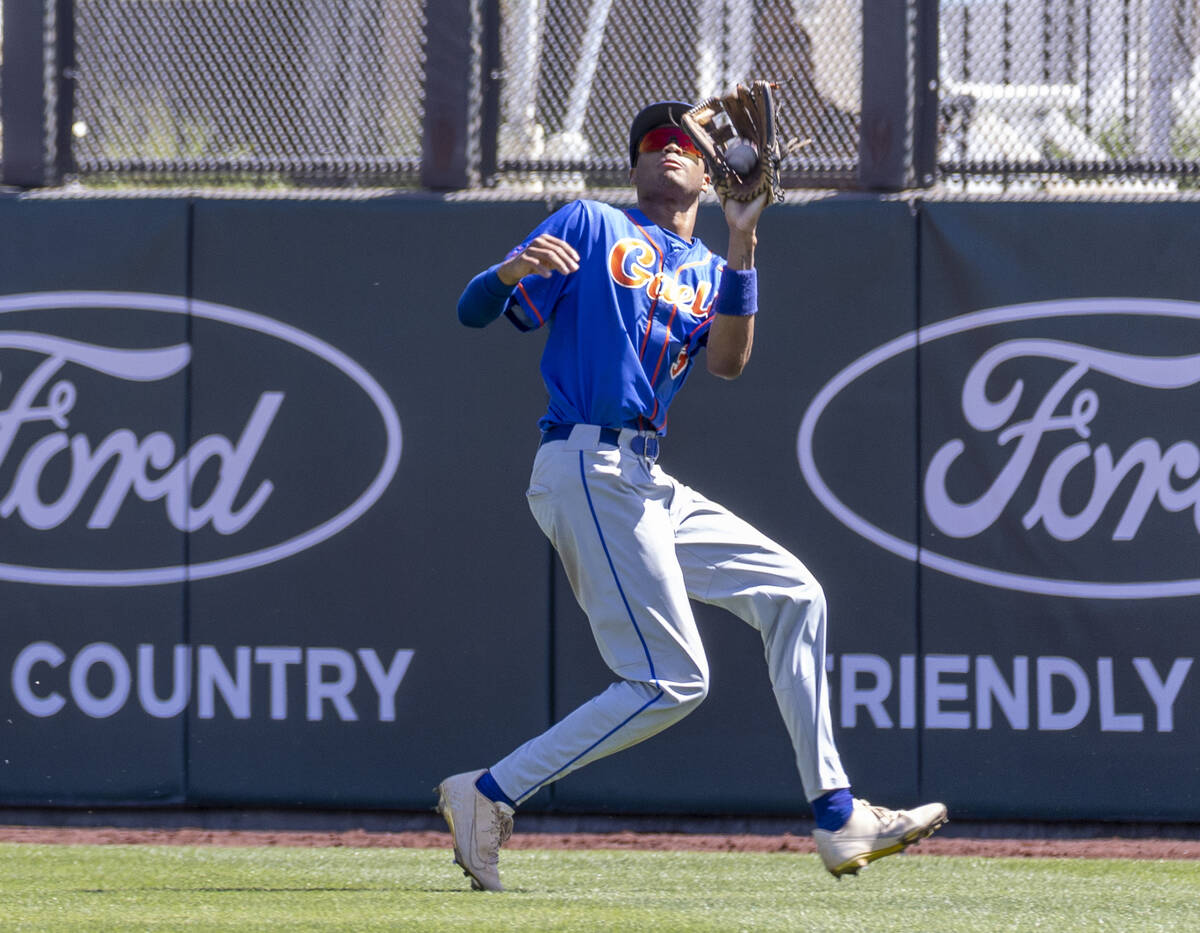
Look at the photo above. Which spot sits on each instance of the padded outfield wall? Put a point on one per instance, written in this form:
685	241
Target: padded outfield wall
263	538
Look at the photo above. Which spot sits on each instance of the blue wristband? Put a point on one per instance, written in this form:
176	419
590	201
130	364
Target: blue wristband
739	292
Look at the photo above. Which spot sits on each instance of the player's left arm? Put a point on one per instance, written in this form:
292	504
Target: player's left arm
731	336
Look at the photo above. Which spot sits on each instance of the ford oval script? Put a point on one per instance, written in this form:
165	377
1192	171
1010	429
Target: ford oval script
1033	457
62	476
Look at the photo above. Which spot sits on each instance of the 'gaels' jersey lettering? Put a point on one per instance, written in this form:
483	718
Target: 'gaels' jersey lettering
632	263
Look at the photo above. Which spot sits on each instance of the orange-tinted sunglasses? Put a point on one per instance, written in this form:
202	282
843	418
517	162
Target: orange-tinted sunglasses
660	137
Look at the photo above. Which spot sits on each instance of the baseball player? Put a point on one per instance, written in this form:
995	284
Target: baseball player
632	299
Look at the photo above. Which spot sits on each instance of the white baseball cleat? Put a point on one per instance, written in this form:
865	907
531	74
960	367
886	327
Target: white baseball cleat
873	832
479	827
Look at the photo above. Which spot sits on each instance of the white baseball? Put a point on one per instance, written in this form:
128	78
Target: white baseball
741	157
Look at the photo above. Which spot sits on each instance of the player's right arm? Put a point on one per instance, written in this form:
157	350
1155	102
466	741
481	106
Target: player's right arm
488	294
544	255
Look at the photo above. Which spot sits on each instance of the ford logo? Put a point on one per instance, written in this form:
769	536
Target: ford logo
65	368
1031	445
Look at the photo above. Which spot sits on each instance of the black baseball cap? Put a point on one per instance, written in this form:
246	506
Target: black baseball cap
660	113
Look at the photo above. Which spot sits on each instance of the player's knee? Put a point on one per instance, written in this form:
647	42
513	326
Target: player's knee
814	597
807	594
805	604
686	694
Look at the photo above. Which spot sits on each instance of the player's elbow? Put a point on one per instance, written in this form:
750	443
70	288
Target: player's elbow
727	365
481	302
470	317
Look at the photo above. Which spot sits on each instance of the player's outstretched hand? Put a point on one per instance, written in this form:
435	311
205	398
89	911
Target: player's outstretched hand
742	216
544	255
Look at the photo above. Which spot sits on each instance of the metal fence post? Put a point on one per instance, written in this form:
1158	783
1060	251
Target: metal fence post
39	83
461	72
490	76
447	94
883	144
927	93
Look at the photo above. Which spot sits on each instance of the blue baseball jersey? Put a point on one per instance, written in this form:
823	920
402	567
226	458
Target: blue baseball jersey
626	327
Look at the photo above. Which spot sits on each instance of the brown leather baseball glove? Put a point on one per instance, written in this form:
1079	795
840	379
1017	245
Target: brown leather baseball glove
736	133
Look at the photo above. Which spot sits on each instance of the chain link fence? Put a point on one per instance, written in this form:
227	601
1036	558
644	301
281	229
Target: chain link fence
316	91
332	92
1070	88
575	73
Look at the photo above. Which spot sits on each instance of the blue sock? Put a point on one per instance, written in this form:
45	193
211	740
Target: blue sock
833	809
486	785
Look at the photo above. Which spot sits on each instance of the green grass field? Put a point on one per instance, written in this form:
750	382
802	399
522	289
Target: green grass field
87	888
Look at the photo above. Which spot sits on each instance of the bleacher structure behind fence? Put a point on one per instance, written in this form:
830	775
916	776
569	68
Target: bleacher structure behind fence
517	94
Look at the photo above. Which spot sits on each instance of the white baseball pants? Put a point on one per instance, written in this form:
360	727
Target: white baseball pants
636	545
